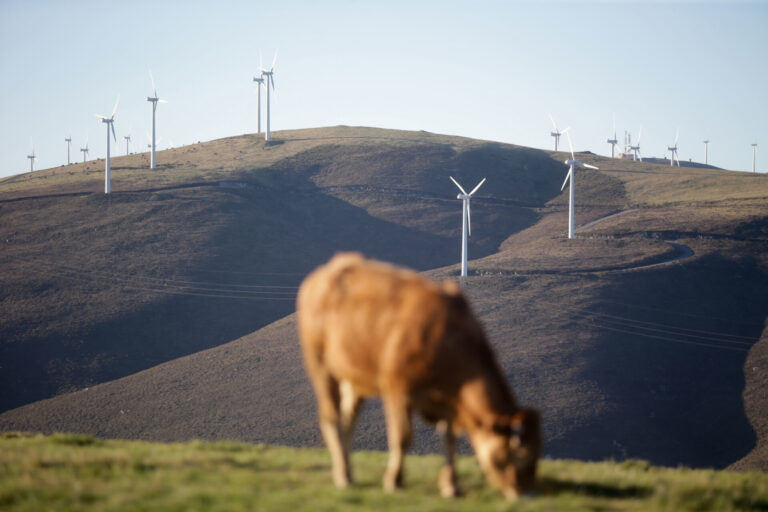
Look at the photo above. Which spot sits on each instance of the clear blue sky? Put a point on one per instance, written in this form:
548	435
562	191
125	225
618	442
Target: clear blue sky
484	69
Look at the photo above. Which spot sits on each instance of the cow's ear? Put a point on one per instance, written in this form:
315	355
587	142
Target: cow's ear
450	288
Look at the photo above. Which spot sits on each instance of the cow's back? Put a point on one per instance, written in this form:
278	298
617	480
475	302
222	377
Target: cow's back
374	324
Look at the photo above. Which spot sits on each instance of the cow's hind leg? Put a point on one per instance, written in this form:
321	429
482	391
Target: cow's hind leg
399	435
350	404
328	405
447	479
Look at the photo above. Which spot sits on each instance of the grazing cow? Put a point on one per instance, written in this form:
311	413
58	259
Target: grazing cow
368	328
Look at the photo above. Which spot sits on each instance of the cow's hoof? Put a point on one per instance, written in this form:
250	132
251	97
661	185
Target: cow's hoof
447	483
341	481
392	484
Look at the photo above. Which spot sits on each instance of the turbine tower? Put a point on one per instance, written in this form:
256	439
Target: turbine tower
127	142
636	148
85	149
68	140
557	133
267	76
109	121
32	158
466	221
754	150
260	81
614	140
673	151
572	163
154	100
706	152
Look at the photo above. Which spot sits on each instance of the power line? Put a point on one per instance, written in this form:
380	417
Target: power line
666	329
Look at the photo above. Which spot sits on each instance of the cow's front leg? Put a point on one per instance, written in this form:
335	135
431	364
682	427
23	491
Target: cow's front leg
399	438
447	480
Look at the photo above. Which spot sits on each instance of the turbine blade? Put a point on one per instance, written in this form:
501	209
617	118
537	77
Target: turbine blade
553	121
457	184
114	110
677	135
100	116
272	79
640	136
570	170
153	83
114	136
589	166
477	187
573	157
274	61
162	101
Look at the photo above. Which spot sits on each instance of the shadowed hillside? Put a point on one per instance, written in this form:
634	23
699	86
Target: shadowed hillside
213	245
632	338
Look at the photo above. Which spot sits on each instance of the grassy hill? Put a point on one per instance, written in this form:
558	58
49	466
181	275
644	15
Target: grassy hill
75	472
629	351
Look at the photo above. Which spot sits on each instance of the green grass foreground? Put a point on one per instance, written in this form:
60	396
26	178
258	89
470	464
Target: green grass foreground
77	472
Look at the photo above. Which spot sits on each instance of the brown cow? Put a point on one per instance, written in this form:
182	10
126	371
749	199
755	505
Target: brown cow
368	328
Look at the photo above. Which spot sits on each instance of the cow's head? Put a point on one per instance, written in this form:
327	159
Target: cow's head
510	452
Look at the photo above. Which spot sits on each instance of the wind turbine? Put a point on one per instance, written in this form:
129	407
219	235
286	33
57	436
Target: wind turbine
614	140
127	142
267	76
636	148
68	140
154	100
109	121
466	221
85	149
32	158
706	152
557	133
754	150
259	80
571	175
673	151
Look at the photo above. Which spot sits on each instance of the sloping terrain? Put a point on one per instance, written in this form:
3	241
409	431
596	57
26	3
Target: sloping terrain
632	346
213	244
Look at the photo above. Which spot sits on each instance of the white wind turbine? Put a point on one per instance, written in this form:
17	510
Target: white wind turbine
68	140
109	121
572	163
466	222
754	150
673	155
706	151
557	133
154	100
267	76
32	157
614	140
127	143
636	148
85	149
